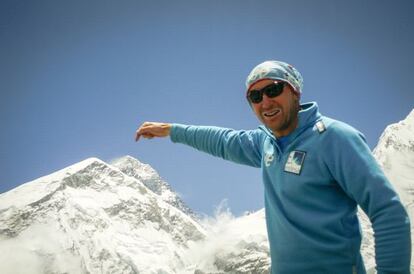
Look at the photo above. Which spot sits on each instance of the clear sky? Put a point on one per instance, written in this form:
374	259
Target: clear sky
78	77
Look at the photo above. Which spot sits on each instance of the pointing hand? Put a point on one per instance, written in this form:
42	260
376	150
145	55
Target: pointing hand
150	130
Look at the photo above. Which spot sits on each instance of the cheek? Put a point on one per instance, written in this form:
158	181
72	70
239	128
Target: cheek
255	108
256	111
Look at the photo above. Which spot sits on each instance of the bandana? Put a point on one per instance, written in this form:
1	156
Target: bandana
276	70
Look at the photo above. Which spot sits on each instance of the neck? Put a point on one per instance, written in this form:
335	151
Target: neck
287	130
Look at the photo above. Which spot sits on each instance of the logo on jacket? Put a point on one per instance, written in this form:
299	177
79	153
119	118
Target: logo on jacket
295	161
269	157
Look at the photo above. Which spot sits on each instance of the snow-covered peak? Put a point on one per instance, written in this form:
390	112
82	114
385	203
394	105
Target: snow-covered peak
143	172
398	136
92	218
395	154
43	186
136	168
410	117
151	179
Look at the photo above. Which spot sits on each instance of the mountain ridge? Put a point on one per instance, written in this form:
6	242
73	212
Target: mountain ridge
101	215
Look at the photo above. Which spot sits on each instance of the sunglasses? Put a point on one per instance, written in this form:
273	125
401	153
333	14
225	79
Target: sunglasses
273	90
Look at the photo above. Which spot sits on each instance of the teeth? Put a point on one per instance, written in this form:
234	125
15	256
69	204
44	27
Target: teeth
271	113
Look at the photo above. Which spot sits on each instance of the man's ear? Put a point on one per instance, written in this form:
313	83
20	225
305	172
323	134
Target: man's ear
296	97
295	93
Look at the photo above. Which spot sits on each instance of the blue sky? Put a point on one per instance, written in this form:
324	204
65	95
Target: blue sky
78	77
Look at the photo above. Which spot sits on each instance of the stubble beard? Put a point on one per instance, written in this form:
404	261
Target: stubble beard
290	117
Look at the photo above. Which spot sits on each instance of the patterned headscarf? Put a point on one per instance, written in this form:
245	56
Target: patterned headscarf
276	70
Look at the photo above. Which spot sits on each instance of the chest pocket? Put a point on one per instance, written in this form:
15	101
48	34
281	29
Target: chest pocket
295	161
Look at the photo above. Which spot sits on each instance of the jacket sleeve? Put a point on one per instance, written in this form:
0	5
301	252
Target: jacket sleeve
353	166
239	146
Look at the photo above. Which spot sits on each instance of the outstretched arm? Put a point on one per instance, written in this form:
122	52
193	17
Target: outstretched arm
237	146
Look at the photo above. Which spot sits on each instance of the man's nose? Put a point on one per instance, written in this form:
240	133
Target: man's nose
266	100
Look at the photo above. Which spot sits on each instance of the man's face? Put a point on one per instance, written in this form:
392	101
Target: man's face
279	114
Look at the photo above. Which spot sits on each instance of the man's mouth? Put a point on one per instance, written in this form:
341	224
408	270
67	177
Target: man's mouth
271	113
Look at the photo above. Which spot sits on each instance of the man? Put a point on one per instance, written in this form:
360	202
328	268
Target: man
316	171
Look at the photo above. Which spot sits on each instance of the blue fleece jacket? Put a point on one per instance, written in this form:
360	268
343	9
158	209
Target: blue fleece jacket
314	178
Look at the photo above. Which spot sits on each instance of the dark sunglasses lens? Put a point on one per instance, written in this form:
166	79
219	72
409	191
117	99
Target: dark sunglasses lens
274	90
255	96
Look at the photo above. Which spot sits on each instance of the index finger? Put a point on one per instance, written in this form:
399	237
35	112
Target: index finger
138	133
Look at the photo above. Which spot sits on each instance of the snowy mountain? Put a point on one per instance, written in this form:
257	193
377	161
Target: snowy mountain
395	154
122	217
151	179
92	218
232	245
